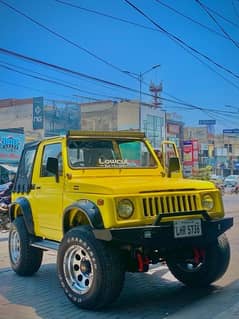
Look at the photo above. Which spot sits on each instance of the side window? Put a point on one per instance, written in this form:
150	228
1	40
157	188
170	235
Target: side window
51	150
28	162
24	173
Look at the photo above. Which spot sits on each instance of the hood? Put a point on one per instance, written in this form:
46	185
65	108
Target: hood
135	185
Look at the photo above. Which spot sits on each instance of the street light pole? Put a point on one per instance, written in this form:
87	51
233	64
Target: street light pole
141	74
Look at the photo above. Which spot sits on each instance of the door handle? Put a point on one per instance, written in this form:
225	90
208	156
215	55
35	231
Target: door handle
35	186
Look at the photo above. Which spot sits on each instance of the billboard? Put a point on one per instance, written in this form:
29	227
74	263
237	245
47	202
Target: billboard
188	153
11	146
231	132
37	114
190	156
207	122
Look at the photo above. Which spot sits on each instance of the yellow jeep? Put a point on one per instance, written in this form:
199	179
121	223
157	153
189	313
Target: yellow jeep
108	205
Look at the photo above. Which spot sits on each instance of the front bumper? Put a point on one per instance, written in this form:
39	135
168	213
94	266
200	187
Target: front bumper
162	236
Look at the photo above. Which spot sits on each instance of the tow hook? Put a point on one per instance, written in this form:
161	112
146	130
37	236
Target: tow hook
142	262
198	255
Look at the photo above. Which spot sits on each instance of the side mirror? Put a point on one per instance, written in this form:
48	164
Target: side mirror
173	166
52	167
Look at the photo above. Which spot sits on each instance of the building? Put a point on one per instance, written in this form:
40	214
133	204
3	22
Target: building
124	115
220	151
39	117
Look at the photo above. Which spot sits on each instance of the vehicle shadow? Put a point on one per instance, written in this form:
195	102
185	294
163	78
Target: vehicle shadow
144	295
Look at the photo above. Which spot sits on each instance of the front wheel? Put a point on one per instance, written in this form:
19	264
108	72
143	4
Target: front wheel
25	260
91	272
199	267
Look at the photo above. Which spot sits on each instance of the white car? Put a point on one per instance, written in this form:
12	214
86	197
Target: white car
231	179
231	184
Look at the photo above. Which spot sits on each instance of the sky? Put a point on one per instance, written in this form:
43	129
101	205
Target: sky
91	50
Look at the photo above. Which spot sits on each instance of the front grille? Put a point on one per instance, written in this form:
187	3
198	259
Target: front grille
153	206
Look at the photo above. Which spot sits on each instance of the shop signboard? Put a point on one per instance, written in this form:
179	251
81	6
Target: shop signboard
188	153
11	145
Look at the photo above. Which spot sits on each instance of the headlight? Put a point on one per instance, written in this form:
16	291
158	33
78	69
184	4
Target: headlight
125	208
207	202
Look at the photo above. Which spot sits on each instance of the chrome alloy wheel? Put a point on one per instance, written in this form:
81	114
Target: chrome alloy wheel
78	269
15	246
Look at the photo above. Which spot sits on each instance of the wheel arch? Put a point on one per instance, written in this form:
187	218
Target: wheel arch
21	207
82	212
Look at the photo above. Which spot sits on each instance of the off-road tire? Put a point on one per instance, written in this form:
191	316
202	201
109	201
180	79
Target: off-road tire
90	271
25	260
211	268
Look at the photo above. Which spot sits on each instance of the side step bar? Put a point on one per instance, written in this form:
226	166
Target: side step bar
45	244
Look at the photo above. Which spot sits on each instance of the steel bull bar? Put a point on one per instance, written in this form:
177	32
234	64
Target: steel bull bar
166	235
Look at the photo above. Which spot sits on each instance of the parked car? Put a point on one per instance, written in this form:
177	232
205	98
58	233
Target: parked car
231	184
231	178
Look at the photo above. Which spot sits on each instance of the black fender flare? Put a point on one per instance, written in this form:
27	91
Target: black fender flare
26	212
90	210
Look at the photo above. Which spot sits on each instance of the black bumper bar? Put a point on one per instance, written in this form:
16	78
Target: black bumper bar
162	236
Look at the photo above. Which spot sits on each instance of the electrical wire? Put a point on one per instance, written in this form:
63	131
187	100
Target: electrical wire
102	60
235	9
33	89
178	40
62	82
69	71
57	34
191	19
155	29
222	17
217	23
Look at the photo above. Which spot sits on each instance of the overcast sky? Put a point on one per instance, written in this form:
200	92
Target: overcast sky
108	43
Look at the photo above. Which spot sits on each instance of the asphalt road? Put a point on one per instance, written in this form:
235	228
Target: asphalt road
156	294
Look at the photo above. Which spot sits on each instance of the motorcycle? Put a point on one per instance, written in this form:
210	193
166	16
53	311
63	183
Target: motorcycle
5	200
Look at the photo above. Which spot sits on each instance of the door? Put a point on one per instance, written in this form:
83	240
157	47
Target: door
47	194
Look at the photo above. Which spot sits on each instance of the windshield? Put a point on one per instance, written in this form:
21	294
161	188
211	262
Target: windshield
109	153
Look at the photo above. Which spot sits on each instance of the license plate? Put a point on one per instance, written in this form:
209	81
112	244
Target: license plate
187	228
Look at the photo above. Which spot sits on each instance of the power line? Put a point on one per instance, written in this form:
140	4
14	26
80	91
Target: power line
66	70
222	17
235	9
99	13
40	78
71	42
62	82
64	38
191	19
178	40
31	88
154	29
69	86
217	23
69	71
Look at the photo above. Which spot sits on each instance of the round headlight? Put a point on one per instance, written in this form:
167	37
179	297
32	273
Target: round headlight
207	202
125	208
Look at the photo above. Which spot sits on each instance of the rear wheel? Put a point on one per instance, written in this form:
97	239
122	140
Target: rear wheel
25	260
90	271
199	267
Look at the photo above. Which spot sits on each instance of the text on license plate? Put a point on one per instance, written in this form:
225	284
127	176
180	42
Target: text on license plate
187	228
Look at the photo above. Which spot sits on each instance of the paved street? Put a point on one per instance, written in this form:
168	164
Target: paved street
152	295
